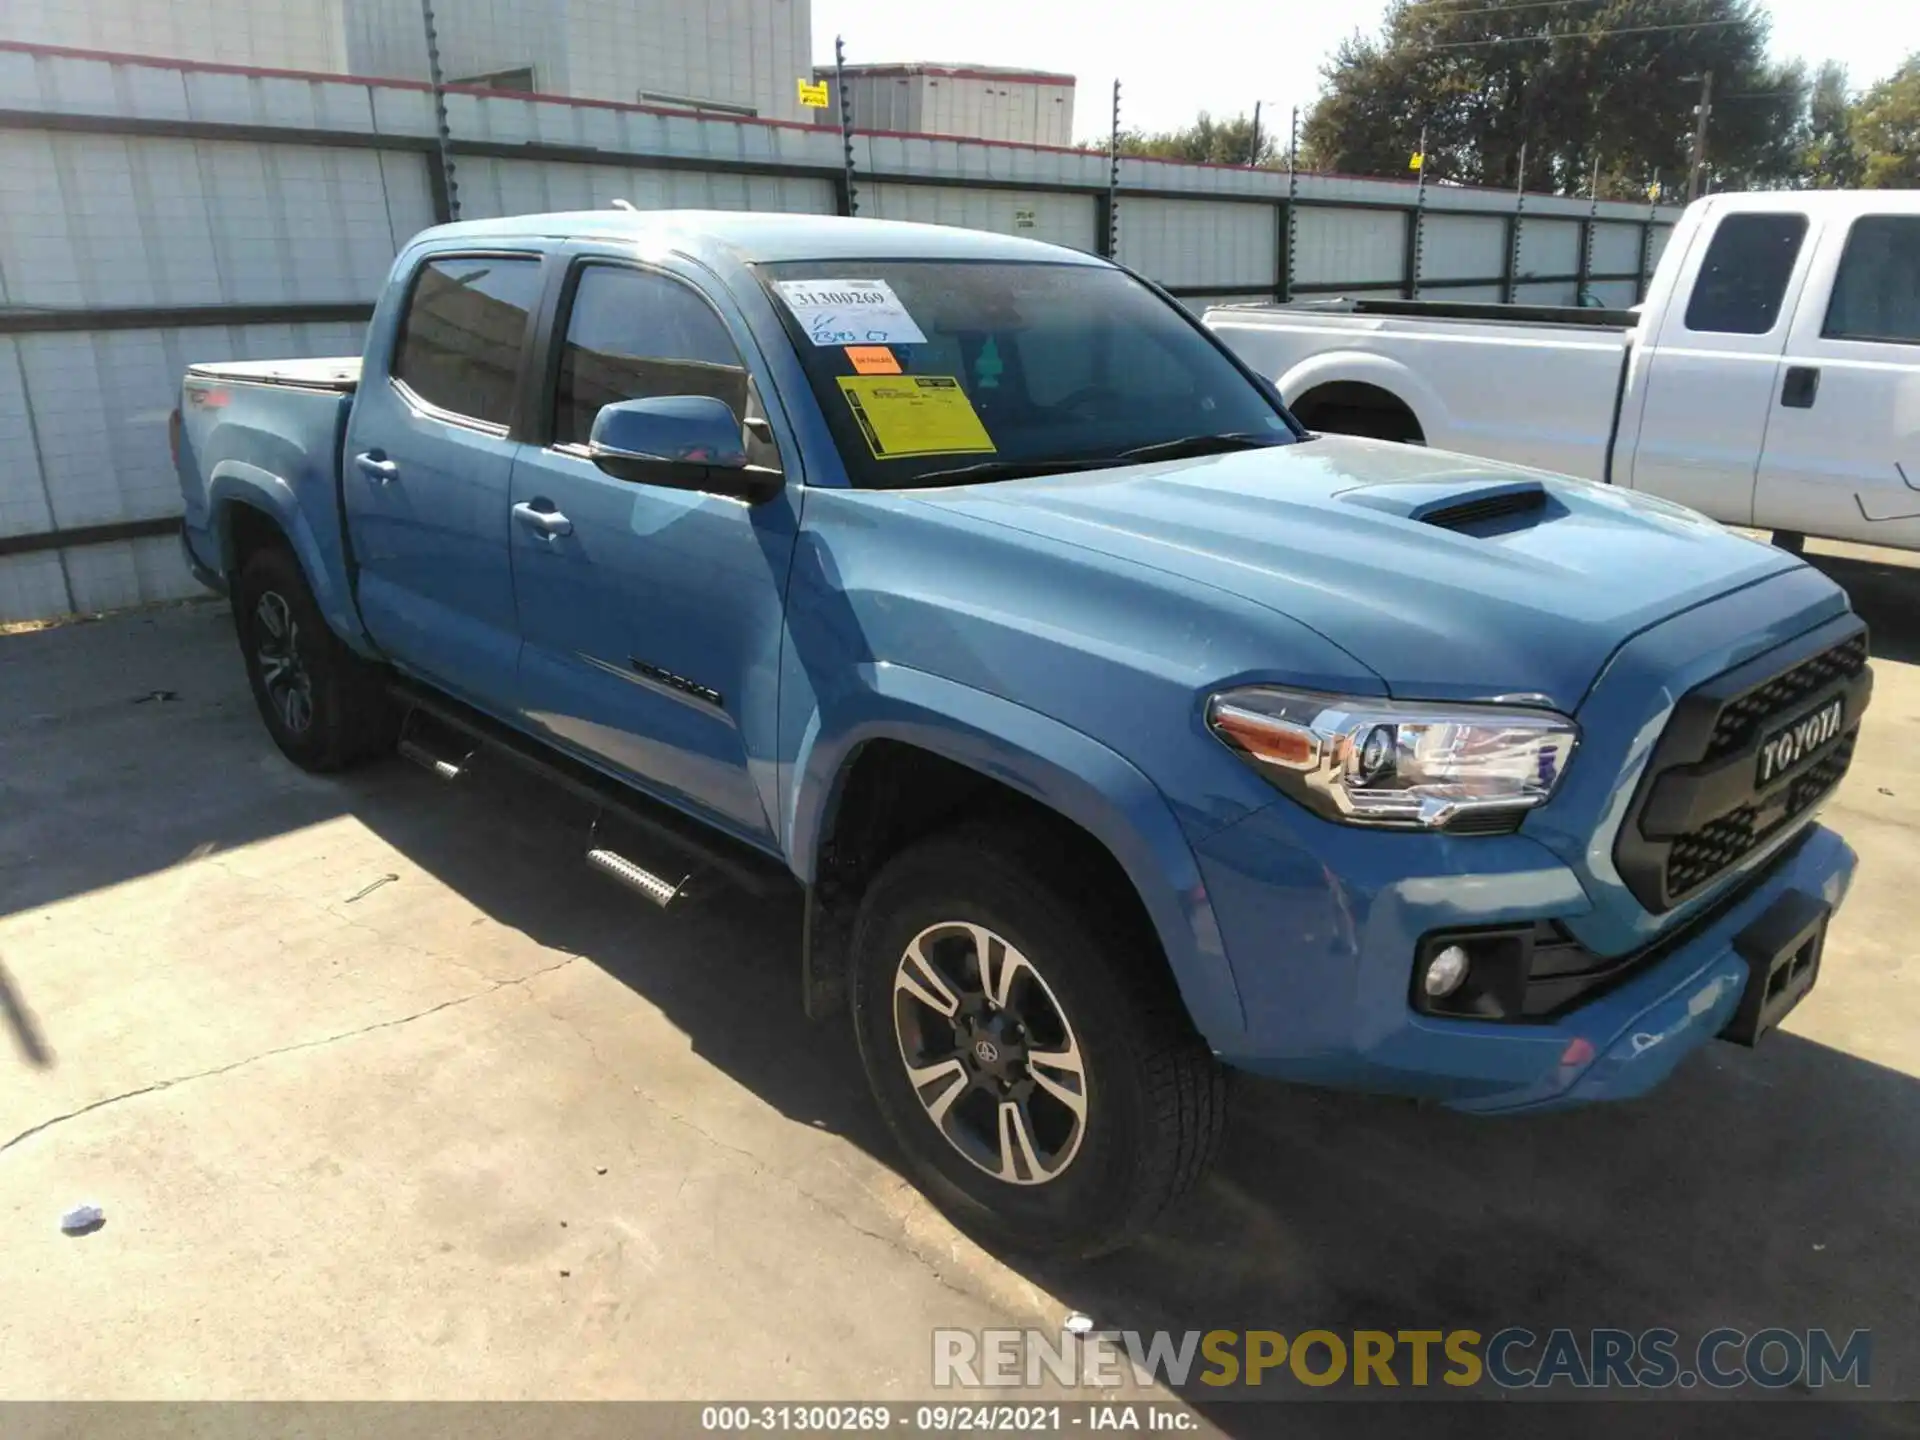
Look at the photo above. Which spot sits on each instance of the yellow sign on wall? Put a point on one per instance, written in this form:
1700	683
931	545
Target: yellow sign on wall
813	96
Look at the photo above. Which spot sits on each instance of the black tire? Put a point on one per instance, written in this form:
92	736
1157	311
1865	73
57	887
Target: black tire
1154	1097
340	713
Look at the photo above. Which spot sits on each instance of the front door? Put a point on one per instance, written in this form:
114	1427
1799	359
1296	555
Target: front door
1710	378
651	618
1843	447
428	462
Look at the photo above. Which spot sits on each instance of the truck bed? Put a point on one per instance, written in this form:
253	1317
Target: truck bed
1469	311
1534	385
339	373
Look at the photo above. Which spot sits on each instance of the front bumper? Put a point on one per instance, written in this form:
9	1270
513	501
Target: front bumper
1324	958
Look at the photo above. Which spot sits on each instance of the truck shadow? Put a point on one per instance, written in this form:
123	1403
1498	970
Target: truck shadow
1759	1188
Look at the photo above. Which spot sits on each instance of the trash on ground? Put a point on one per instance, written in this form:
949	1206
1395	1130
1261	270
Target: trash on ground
83	1220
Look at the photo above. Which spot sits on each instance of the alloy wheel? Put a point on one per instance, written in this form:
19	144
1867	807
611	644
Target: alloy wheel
990	1053
284	674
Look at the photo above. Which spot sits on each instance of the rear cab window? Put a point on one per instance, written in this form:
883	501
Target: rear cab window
1743	277
927	368
461	339
1876	291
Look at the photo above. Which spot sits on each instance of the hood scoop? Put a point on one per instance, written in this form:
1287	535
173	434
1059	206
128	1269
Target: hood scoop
1452	507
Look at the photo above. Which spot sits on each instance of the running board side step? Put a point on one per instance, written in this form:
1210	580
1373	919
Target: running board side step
639	824
412	747
432	763
661	892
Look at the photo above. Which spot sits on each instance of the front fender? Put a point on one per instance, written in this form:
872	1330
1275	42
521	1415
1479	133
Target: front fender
236	482
1061	768
1380	371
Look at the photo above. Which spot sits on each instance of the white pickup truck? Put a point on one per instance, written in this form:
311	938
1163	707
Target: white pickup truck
1770	379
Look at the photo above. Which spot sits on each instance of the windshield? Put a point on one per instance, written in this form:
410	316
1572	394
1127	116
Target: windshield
943	371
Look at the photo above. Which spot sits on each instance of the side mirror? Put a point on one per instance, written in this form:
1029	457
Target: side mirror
688	442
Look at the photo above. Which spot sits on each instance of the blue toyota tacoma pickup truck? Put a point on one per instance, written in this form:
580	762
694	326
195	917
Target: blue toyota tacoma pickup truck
1120	732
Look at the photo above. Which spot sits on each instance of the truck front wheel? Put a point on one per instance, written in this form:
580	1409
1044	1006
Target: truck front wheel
323	705
1026	1045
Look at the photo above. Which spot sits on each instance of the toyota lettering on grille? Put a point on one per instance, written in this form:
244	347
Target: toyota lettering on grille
1788	746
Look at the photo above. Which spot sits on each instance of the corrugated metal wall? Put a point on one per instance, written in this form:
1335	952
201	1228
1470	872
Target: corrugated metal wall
519	187
1193	244
289	34
1462	247
153	214
1059	219
1334	247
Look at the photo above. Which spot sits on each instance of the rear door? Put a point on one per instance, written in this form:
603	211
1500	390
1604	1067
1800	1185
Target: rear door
651	618
1710	378
427	465
1843	447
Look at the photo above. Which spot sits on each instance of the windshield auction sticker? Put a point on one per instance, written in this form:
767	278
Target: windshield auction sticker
873	360
850	312
915	415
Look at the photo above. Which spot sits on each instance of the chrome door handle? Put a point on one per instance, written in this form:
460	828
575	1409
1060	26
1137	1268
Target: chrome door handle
375	468
546	522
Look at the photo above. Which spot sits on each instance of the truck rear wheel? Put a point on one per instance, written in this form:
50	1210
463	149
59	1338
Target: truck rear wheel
323	705
1027	1047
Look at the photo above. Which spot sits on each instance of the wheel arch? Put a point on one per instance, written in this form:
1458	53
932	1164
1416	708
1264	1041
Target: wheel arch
249	506
1396	386
1011	756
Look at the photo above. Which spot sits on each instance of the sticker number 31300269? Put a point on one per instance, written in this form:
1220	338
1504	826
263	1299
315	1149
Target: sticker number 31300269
849	312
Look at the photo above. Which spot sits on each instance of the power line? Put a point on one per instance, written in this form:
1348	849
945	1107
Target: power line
1581	35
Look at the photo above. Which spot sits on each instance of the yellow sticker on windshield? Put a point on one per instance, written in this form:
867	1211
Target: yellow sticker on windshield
915	415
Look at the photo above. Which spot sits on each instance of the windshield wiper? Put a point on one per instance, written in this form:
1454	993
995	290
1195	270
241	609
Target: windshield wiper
1190	445
999	470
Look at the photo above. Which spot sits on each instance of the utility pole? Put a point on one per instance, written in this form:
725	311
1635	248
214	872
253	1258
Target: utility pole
1515	223
846	123
1293	195
1697	163
1253	155
443	135
1416	236
1113	177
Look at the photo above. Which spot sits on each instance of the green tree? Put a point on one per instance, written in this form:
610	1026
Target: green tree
1886	129
1830	160
1610	86
1211	141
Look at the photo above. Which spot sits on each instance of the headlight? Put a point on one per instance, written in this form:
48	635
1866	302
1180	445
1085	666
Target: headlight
1383	762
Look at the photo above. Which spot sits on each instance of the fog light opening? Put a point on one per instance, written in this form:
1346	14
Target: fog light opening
1446	972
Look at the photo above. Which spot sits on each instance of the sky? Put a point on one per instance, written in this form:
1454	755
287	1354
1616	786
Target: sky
1223	55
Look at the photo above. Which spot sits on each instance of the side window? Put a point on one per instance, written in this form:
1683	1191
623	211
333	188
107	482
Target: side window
632	334
460	340
1876	293
1744	276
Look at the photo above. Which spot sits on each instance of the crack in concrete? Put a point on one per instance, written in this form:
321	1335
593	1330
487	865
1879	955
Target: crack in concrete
168	1084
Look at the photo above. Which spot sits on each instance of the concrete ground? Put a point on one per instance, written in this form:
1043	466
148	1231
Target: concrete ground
385	1095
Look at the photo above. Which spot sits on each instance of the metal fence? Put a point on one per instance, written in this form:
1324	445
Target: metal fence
157	212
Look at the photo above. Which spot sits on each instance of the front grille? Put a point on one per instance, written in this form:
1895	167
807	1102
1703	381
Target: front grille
1700	810
1698	856
1740	722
